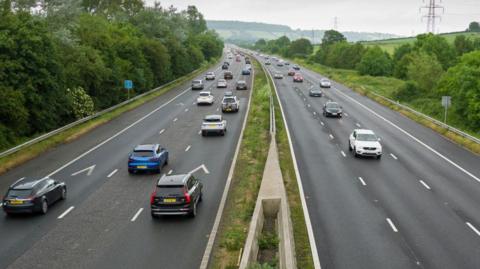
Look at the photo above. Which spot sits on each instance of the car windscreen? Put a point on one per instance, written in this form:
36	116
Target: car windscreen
196	82
332	105
19	193
229	100
366	137
241	83
142	153
205	94
170	190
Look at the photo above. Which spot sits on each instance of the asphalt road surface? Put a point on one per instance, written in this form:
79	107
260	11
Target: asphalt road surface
105	221
417	207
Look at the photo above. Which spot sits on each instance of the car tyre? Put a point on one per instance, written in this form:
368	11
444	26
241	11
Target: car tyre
64	193
349	146
355	152
153	215
204	133
379	157
193	213
201	197
44	208
130	171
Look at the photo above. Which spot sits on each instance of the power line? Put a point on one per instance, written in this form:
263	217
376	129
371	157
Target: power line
432	14
335	23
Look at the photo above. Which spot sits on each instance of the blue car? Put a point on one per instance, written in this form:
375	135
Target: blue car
245	72
147	158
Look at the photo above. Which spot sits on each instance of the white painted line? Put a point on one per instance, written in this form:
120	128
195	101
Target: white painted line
331	136
308	222
346	115
393	156
136	214
170	172
194	103
362	181
161	131
188	148
88	169
322	123
358	125
473	228
392	225
66	212
218	109
314	113
343	154
308	105
174	120
117	134
425	184
200	132
112	173
412	137
186	109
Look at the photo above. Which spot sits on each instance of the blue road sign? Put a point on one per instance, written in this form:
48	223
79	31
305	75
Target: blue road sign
128	84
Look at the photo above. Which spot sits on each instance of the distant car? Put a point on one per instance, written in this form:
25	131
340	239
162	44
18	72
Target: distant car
296	67
365	143
230	56
227	75
280	64
247	61
176	195
332	109
226	63
267	63
205	98
325	83
210	76
151	157
241	85
197	84
221	83
287	63
214	124
238	59
225	67
228	93
248	66
246	72
297	78
315	92
291	72
33	195
230	104
278	75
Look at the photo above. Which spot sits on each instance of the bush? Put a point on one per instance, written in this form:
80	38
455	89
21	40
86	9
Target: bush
375	62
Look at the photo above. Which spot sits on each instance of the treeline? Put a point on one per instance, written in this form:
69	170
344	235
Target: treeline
66	59
431	67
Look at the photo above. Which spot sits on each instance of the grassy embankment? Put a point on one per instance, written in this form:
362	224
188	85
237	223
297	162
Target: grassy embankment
386	86
23	155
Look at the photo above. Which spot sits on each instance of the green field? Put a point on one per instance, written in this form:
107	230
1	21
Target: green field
389	45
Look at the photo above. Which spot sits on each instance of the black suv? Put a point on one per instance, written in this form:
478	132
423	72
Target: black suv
225	66
176	195
30	196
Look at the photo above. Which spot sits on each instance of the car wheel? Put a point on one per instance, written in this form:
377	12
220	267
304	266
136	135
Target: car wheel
379	157
153	215
44	208
222	133
64	193
201	197
204	133
130	171
158	170
355	152
193	213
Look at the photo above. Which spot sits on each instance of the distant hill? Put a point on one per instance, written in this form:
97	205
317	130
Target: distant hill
252	31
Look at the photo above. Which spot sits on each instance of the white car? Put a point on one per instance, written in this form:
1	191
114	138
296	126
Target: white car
365	143
230	104
325	83
210	76
205	98
222	83
278	76
214	124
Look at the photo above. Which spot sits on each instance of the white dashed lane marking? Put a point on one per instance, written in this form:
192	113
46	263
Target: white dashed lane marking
112	173
188	148
136	214
343	153
362	181
170	172
393	156
66	212
161	131
394	228
174	120
425	184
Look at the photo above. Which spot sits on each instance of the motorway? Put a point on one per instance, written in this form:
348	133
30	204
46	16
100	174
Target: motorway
105	221
417	207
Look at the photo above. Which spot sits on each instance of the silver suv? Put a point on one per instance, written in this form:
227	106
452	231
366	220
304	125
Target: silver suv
197	84
230	104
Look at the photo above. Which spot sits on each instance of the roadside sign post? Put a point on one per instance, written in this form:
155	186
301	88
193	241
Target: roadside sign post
446	102
128	85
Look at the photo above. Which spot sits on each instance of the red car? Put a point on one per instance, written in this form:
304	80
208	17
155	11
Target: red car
297	78
291	73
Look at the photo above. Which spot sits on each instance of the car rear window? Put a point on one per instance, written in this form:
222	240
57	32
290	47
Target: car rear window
212	120
332	105
229	100
19	193
197	82
170	190
143	153
204	94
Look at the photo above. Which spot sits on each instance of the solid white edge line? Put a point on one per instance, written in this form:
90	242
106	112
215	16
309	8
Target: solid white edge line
188	148
331	136
411	136
137	214
112	173
343	153
393	156
66	212
218	217
200	132
425	184
322	123
394	228
170	172
362	181
473	228
313	245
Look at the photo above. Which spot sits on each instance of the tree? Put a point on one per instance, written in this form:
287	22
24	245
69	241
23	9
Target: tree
260	44
196	22
375	62
462	82
300	47
474	27
463	45
331	37
438	46
424	70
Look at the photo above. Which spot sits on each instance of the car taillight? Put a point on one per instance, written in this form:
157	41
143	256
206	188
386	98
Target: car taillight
130	160
187	197
152	197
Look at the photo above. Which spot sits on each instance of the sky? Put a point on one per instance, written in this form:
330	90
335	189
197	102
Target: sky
401	17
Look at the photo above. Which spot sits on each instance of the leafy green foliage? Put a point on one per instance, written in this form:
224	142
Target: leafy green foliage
424	69
331	37
299	48
81	102
375	62
474	26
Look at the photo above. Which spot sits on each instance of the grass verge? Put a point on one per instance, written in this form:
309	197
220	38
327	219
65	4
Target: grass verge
385	86
246	179
23	155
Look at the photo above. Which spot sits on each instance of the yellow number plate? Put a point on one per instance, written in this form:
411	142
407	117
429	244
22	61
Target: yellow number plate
169	200
142	166
16	202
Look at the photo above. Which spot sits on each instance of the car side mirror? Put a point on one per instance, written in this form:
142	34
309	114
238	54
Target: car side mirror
56	182
379	139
